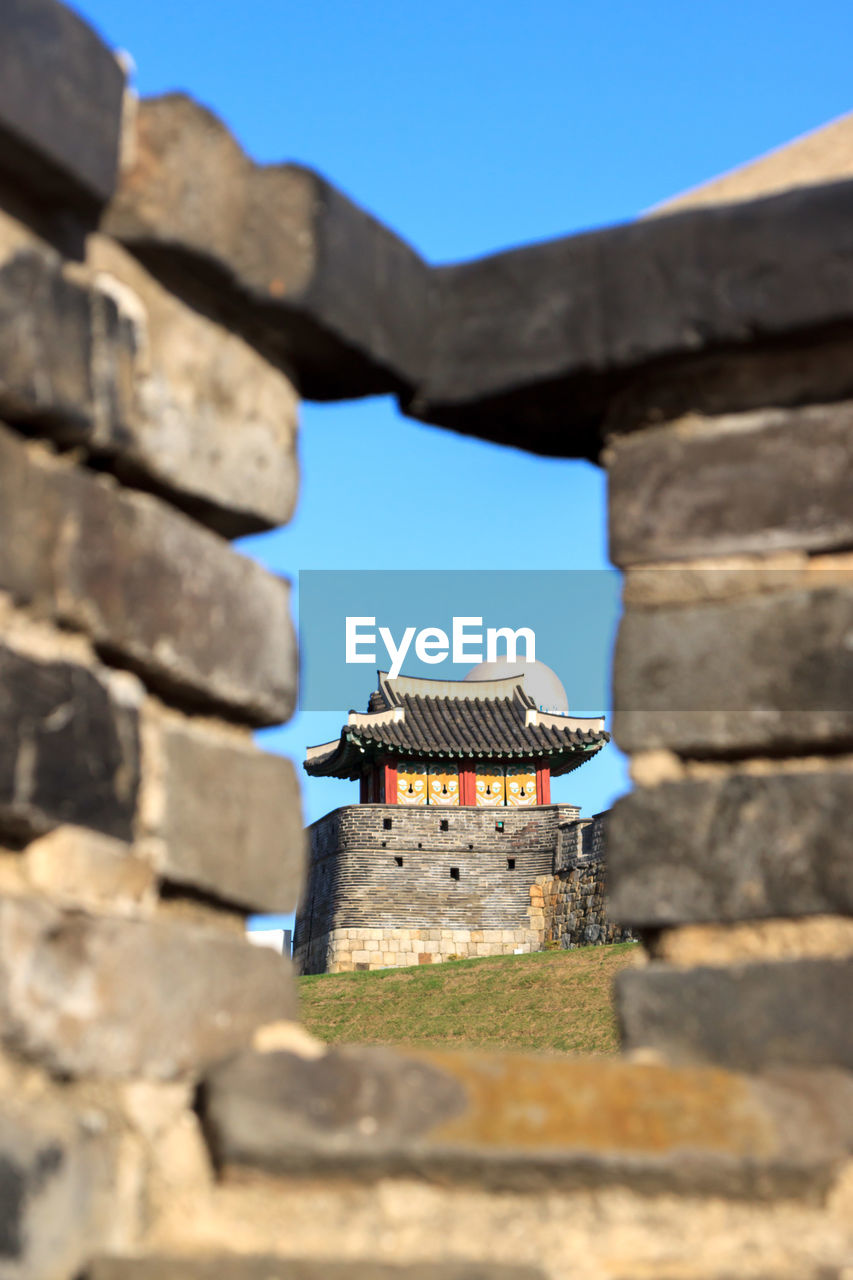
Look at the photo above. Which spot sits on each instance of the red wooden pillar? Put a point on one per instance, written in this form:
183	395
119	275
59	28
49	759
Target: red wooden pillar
390	781
543	784
467	784
369	788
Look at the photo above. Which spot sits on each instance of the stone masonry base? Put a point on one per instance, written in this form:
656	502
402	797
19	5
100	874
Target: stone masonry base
346	949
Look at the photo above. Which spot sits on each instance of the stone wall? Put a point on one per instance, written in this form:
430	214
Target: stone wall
345	950
570	908
162	1114
454	881
389	887
139	823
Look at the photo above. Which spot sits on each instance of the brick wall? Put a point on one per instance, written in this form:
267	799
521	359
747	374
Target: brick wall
383	867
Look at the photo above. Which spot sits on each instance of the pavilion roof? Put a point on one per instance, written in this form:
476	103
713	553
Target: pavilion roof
406	719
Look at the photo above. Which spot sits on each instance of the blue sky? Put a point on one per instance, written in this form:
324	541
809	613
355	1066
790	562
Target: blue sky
468	128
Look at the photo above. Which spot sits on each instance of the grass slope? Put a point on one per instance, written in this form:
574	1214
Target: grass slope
558	1001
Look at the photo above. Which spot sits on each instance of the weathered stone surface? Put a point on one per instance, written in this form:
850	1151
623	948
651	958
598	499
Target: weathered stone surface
738	483
242	1267
108	358
65	354
362	1101
745	1017
154	590
61	94
295	264
68	748
57	1178
85	869
523	1123
770	673
122	997
530	346
733	847
212	421
229	818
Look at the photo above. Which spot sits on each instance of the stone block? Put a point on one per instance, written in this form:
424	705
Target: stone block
521	335
229	1266
526	1123
85	869
57	1187
766	673
211	421
111	360
734	484
122	998
69	750
224	818
303	271
746	1016
65	356
61	91
734	846
115	563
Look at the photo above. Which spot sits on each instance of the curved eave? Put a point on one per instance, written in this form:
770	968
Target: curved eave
354	752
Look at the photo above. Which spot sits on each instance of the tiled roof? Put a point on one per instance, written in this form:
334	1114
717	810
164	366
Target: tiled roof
461	727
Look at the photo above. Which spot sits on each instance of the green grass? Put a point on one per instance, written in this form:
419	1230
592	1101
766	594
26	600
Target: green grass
552	1001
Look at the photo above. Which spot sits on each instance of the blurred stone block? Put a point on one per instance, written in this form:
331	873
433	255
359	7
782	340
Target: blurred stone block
275	250
49	376
69	748
228	818
737	846
85	869
57	1187
521	1123
122	997
156	592
537	346
734	484
747	1017
61	92
108	358
212	421
773	672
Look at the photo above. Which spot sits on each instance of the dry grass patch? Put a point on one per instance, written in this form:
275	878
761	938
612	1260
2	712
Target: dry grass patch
552	1001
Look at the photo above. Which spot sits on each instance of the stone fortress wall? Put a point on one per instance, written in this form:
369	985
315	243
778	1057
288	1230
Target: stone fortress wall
390	886
162	1113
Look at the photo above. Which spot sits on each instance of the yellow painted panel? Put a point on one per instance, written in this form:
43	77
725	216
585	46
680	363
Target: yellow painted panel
411	783
489	785
443	784
520	785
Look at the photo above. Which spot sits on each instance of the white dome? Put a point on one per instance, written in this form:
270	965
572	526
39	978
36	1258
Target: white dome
544	685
